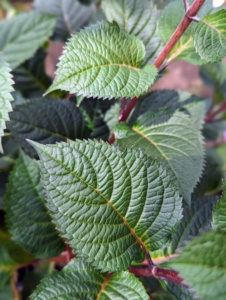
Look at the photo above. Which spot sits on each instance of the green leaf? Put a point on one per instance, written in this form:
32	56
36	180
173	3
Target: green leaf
30	78
111	116
47	121
219	214
96	110
210	37
5	96
71	15
138	18
179	291
103	61
203	266
173	139
168	22
22	35
108	203
27	216
196	219
79	281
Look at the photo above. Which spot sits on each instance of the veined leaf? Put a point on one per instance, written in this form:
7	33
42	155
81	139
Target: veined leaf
138	18
30	77
79	281
168	22
196	219
108	203
210	37
71	15
103	61
203	266
170	137
219	214
27	216
22	35
179	291
47	121
5	96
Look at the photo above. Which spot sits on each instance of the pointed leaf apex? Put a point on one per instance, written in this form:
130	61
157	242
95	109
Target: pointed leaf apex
36	145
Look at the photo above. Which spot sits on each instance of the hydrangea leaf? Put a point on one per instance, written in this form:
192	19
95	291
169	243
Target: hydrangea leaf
71	15
27	216
5	97
47	121
210	37
219	214
203	266
172	138
80	281
22	35
139	18
108	203
103	61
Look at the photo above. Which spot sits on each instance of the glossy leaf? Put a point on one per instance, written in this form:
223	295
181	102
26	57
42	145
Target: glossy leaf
27	216
210	37
173	139
5	97
219	214
22	35
108	203
202	264
139	18
71	15
47	121
95	64
79	281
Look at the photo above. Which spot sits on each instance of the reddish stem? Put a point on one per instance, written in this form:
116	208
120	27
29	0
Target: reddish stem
186	21
221	108
159	273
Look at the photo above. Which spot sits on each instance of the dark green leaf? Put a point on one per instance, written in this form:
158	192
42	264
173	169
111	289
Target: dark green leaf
108	203
219	214
47	121
79	281
27	216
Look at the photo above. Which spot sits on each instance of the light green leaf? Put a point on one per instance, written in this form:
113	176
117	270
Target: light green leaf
173	139
168	22
30	77
210	37
203	266
103	61
71	15
22	35
196	219
108	203
5	96
47	121
27	216
219	214
111	116
79	281
138	18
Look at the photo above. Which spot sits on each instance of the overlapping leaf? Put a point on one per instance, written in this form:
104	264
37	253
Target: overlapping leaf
219	214
27	216
71	15
103	61
47	121
168	22
108	203
203	266
5	96
30	78
138	18
210	37
172	138
22	35
79	281
196	219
